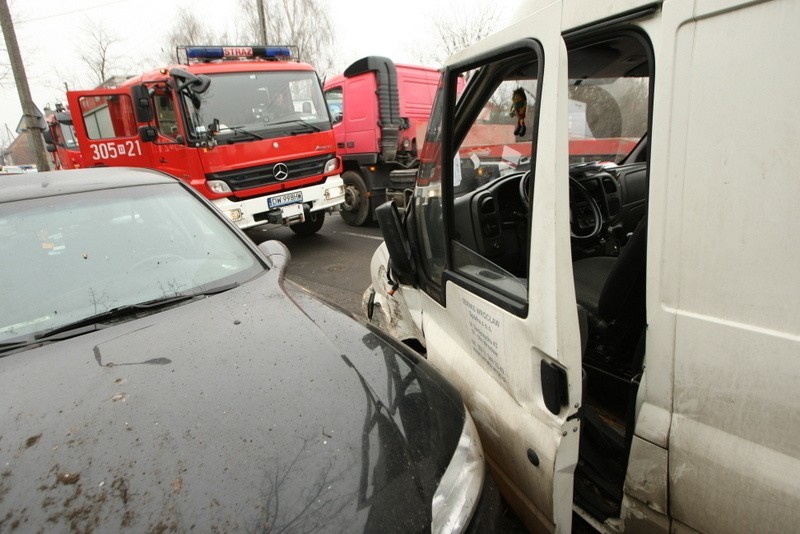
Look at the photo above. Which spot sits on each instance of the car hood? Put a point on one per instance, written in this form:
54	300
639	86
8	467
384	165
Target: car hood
259	408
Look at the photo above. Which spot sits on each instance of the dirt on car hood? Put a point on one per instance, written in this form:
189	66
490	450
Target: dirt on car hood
253	409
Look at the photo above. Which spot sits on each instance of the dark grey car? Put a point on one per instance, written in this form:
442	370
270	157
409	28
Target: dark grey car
158	373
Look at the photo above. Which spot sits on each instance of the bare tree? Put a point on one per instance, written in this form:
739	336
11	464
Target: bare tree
94	51
302	23
188	30
456	26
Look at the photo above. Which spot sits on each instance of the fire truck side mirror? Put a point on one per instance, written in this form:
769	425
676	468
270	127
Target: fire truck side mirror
48	137
141	99
148	134
50	147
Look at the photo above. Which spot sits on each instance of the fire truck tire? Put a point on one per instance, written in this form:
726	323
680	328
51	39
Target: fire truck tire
311	225
355	210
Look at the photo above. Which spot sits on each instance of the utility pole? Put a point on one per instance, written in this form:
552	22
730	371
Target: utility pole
262	22
21	80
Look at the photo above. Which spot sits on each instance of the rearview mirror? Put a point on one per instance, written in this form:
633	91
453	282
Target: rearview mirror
148	134
396	242
141	101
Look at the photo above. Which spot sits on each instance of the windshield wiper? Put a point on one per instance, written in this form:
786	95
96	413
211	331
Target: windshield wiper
239	130
98	321
313	127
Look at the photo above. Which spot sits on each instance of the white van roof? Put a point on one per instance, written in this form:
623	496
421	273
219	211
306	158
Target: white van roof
575	13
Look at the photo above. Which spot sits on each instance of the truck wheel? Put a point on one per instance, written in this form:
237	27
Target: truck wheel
355	208
311	225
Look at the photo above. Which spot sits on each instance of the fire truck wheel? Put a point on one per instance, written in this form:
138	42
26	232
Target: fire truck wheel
355	208
311	225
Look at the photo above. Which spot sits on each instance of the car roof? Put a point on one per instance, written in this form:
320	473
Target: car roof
54	183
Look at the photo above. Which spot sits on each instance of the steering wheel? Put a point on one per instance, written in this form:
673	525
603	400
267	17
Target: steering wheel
597	216
525	185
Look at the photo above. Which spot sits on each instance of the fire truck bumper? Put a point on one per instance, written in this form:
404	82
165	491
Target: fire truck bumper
286	207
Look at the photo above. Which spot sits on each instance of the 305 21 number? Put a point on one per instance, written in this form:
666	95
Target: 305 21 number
113	149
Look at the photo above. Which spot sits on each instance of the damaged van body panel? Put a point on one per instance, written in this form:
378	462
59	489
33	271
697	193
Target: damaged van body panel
621	327
387	309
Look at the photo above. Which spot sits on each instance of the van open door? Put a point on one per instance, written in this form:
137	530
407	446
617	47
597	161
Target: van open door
106	123
486	269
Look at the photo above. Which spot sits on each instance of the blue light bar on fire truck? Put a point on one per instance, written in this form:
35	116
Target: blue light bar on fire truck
216	53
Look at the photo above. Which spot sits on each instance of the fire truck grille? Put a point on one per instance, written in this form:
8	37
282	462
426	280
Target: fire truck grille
242	179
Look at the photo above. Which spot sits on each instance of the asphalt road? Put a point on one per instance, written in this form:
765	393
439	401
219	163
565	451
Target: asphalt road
333	263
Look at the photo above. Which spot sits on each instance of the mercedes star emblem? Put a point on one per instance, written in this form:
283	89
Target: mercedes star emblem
280	172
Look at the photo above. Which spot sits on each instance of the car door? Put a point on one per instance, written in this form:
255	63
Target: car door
490	233
107	129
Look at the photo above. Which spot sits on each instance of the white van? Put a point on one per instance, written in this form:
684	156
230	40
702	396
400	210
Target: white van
616	292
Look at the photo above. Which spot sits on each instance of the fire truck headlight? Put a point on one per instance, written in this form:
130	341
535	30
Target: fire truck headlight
234	215
331	165
218	186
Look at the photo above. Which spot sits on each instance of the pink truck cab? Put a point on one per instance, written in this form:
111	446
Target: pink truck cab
377	109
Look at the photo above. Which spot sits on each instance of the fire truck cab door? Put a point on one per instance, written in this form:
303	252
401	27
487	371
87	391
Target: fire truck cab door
106	128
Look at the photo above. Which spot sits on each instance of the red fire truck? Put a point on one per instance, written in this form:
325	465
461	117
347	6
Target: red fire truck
60	140
246	126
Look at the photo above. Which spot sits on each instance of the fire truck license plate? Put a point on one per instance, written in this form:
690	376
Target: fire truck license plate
282	200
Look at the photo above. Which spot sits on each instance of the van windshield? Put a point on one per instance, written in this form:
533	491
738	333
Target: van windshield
607	117
268	104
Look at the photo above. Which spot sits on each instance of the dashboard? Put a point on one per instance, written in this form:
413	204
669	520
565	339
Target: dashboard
493	219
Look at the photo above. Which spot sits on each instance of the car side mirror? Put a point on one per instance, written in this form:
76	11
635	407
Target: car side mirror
396	242
277	253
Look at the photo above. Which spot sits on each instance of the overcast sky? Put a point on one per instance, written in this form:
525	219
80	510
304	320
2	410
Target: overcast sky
49	35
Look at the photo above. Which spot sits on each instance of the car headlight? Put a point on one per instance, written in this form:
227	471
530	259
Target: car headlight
460	487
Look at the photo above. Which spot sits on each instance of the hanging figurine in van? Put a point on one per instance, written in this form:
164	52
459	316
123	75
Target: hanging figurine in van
519	105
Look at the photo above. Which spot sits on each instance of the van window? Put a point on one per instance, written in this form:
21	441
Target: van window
607	117
492	150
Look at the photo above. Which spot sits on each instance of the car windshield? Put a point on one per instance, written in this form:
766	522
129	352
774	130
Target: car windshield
267	103
66	258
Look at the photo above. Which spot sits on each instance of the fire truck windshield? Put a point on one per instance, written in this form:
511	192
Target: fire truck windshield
258	105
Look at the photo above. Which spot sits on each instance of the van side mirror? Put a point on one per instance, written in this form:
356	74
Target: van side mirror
396	242
141	103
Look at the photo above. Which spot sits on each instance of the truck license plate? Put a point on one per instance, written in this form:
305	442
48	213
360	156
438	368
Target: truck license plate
282	200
